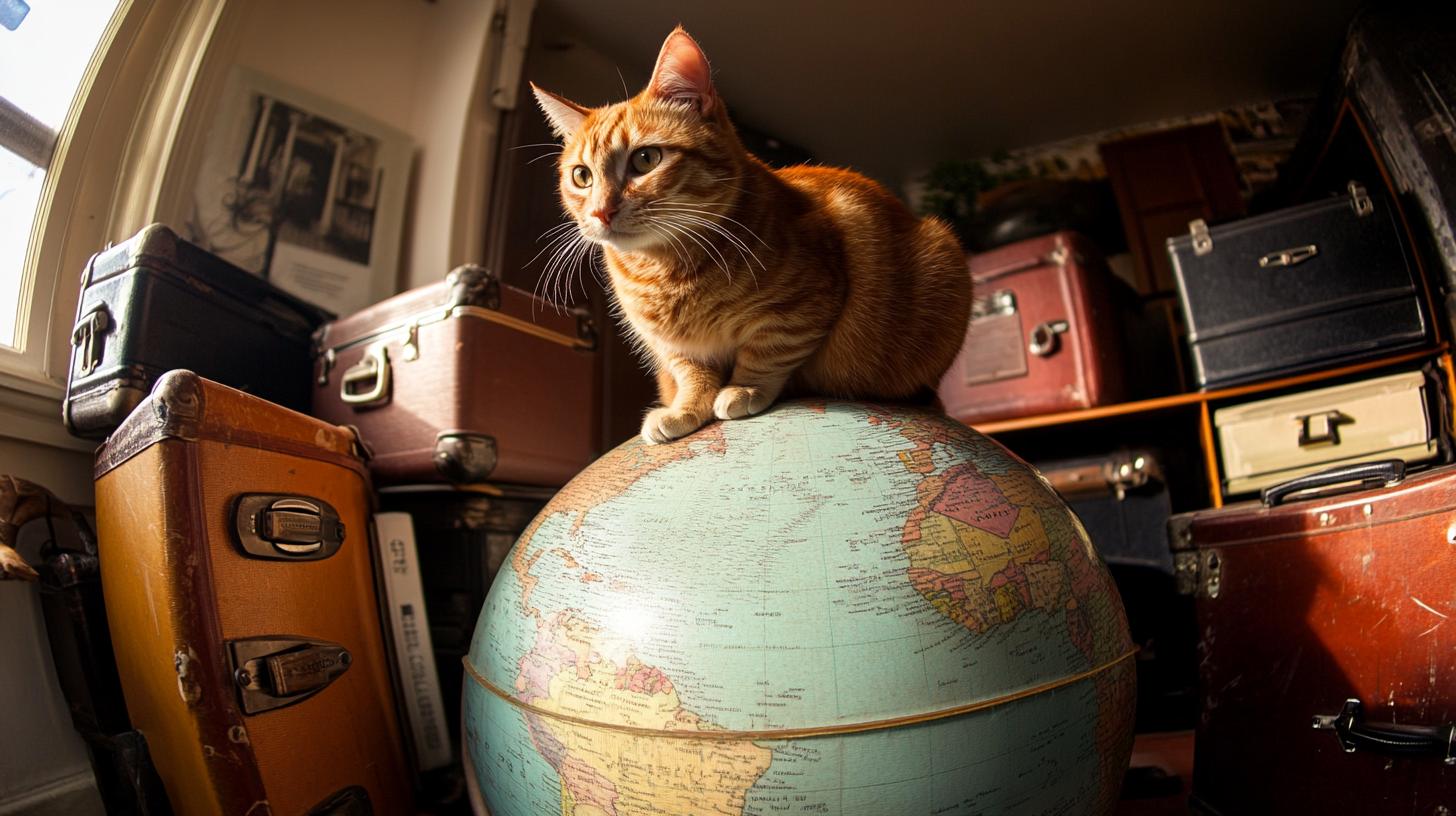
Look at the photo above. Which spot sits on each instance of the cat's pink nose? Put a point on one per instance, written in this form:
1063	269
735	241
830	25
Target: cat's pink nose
604	215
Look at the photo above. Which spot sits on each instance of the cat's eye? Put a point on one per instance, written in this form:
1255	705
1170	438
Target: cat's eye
646	158
581	176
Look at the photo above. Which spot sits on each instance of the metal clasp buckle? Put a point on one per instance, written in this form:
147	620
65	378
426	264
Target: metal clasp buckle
1202	241
1044	337
1359	199
86	338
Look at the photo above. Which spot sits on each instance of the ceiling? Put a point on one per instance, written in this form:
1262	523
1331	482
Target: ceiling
891	87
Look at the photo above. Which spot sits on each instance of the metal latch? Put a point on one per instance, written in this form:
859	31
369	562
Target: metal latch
275	672
287	528
1293	256
1044	337
326	364
1000	303
1202	241
1197	573
367	381
86	338
410	350
1130	473
1321	428
1359	199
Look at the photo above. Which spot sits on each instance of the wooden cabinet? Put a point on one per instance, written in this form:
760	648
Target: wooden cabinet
1162	181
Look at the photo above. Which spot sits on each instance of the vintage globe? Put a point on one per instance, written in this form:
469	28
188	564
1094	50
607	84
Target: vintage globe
829	609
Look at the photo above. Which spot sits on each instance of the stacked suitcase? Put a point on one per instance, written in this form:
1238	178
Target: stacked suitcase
1326	652
260	658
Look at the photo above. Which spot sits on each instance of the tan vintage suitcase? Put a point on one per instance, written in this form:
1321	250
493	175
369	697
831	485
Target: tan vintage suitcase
1270	441
240	588
463	381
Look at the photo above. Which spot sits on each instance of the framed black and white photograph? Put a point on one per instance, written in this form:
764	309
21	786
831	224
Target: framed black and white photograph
303	192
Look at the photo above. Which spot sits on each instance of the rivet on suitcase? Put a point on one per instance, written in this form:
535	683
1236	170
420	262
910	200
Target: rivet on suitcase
241	592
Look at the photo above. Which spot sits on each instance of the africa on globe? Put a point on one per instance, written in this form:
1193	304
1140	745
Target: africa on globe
833	608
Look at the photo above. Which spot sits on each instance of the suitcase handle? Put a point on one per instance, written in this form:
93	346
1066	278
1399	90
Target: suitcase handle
1364	476
1388	738
374	367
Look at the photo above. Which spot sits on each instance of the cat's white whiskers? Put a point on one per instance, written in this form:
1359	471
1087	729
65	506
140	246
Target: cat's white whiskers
544	156
751	233
554	268
735	240
563	238
712	251
672	241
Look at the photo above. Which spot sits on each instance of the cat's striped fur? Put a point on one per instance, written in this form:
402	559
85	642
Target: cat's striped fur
744	283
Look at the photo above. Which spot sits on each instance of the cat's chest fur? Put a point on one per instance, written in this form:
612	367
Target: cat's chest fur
692	317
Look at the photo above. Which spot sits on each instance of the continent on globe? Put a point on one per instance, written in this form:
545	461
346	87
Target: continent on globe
576	672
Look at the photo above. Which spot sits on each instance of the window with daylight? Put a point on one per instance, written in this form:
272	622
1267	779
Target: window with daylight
45	47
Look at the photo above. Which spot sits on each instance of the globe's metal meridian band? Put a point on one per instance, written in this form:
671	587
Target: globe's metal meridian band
795	733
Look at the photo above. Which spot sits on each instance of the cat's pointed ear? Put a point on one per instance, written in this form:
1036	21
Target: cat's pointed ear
564	115
682	73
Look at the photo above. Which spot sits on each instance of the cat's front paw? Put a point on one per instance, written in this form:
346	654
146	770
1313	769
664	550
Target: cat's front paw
666	424
738	401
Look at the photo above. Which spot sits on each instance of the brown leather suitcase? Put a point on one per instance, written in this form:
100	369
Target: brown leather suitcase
1327	644
1045	333
240	590
462	381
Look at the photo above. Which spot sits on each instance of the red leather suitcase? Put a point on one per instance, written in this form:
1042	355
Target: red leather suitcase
1327	625
464	381
1045	333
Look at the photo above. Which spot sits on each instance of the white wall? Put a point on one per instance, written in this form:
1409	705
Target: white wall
418	66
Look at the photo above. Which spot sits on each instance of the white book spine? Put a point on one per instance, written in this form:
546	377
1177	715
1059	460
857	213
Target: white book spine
413	652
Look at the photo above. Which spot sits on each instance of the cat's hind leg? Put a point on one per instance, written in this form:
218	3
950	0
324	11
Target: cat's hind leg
691	405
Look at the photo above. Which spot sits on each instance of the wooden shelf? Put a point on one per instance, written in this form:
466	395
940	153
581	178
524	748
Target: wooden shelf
1200	398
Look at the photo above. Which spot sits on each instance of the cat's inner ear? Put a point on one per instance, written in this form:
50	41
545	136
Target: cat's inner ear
682	73
564	115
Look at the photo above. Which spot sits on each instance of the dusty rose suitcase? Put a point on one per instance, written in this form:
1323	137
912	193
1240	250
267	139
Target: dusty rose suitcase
1044	335
1327	651
465	380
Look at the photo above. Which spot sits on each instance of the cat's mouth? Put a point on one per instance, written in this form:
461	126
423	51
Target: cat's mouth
618	237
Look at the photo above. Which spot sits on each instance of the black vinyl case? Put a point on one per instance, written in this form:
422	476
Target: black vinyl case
1306	287
156	302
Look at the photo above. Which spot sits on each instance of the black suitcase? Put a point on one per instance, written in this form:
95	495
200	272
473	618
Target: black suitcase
154	303
1123	501
80	644
1399	70
462	537
1307	287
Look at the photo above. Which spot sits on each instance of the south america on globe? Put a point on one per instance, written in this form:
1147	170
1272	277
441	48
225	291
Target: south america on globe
832	608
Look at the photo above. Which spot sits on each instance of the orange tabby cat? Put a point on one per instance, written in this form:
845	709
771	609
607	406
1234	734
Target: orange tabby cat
742	282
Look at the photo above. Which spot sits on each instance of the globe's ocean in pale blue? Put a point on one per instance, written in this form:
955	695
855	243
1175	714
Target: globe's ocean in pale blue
862	610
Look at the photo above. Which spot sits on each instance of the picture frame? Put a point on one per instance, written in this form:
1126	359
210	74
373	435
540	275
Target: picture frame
302	191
